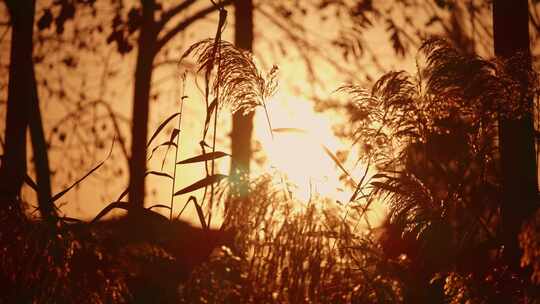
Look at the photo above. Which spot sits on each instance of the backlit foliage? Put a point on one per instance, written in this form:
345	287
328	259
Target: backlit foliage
433	138
238	81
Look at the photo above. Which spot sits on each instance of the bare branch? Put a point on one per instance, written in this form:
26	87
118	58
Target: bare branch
168	15
187	22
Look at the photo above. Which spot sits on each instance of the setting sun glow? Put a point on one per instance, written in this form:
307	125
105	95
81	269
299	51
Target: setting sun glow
296	147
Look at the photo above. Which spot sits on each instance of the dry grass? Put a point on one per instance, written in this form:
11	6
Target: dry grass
284	254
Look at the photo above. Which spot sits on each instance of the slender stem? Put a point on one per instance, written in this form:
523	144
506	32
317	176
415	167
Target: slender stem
268	120
213	160
217	47
281	174
177	144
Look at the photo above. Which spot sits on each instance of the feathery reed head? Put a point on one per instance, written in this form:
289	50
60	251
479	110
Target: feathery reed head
239	82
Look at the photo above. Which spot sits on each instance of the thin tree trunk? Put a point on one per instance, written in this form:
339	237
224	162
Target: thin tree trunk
517	149
41	158
141	96
242	126
13	169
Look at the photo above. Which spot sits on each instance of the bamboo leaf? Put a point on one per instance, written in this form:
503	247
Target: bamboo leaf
201	183
203	157
163	124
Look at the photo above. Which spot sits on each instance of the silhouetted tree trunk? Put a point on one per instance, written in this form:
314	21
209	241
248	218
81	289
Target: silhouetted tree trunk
13	168
518	162
24	105
146	52
242	126
41	158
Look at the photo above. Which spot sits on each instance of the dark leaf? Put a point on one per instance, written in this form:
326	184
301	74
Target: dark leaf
205	182
174	133
200	212
167	144
134	20
45	20
170	143
163	124
203	157
395	37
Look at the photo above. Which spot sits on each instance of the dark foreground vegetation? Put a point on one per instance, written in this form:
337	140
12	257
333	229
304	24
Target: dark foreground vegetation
448	149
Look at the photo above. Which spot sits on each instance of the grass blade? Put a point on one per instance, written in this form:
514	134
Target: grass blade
61	193
163	124
203	157
109	208
158	174
167	144
158	206
30	182
170	143
200	212
201	183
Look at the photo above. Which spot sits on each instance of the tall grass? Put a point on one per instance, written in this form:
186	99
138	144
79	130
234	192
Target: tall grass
286	254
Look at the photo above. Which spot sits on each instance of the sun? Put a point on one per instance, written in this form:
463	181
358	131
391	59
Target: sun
295	146
296	149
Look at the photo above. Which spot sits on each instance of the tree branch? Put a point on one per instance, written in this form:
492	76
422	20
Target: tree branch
168	15
187	22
